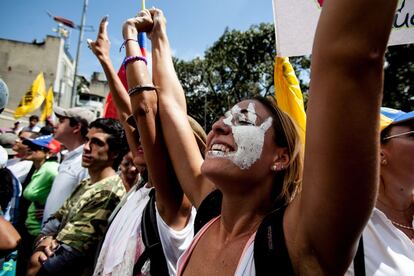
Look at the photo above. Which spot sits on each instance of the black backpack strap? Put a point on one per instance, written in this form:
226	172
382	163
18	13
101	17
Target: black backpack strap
209	208
150	236
271	256
359	260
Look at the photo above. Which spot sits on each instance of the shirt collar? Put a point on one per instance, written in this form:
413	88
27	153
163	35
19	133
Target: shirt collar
74	152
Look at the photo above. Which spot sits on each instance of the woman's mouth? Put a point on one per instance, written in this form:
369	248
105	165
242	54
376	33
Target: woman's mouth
219	150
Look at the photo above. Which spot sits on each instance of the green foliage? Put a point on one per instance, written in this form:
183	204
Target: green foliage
399	78
238	66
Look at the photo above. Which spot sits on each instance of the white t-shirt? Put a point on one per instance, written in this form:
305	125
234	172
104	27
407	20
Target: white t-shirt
174	243
20	168
388	251
70	174
123	241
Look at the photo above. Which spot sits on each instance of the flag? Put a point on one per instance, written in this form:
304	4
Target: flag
288	94
33	98
109	107
141	35
48	107
64	21
67	22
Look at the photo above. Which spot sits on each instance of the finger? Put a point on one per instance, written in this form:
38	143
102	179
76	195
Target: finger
154	11
54	245
48	251
141	13
103	25
89	42
146	12
42	258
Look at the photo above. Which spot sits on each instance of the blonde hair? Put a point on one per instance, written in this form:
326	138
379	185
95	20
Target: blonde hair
287	183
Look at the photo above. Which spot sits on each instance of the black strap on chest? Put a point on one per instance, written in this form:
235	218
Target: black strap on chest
271	256
359	260
209	208
151	239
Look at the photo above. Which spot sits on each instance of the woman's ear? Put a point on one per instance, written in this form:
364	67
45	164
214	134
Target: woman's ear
383	157
281	160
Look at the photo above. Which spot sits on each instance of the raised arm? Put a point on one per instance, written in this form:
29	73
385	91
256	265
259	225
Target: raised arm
172	205
100	48
341	160
182	146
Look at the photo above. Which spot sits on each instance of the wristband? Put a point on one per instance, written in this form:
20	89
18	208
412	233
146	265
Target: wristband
39	240
130	59
141	88
125	42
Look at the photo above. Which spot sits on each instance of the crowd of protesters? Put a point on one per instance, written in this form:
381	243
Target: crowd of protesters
151	194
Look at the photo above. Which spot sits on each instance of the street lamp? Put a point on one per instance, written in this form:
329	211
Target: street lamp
85	6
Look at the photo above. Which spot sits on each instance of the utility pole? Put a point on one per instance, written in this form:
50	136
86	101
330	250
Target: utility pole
82	25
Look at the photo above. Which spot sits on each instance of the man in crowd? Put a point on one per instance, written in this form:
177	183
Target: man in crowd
33	127
71	130
68	240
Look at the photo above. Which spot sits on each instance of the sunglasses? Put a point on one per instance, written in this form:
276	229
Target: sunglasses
409	134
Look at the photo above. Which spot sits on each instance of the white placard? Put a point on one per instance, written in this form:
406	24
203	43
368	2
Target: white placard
295	24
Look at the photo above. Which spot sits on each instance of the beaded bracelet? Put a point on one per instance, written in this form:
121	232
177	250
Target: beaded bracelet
141	88
125	42
39	240
133	58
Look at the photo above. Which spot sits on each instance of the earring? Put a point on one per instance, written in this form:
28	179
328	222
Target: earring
384	162
274	168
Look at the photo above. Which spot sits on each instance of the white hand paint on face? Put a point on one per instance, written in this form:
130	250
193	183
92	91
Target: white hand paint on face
248	137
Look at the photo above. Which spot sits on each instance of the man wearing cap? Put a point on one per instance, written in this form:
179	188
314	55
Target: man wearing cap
70	130
388	237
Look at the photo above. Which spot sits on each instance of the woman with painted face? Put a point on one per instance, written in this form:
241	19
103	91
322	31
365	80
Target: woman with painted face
253	156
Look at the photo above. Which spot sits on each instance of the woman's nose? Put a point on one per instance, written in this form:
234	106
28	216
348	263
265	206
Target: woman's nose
221	127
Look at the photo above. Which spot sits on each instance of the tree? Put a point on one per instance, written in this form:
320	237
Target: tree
239	65
399	78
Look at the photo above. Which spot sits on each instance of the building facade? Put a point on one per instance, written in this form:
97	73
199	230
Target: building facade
21	62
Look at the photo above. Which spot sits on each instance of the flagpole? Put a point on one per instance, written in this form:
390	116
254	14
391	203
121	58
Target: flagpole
141	35
73	97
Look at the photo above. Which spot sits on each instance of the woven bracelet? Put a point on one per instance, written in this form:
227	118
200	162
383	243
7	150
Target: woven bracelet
130	59
39	240
141	88
125	42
